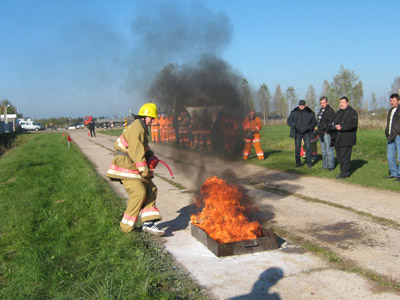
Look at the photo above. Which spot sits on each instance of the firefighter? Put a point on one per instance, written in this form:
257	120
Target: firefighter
251	128
183	128
155	127
229	128
130	166
170	129
205	124
163	128
194	127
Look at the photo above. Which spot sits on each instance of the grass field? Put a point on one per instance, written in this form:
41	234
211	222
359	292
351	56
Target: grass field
368	165
59	232
114	132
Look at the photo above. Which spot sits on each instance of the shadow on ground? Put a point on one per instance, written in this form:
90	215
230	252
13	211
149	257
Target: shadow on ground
261	288
181	222
356	164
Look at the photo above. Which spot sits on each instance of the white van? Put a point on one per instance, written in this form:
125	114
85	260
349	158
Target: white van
30	125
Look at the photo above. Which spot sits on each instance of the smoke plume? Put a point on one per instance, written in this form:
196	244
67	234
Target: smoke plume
174	33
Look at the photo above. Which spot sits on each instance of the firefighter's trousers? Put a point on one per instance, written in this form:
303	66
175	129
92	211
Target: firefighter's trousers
154	135
229	143
196	139
142	198
171	134
256	142
164	135
205	137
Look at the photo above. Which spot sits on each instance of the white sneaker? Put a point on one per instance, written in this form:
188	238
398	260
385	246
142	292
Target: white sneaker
151	227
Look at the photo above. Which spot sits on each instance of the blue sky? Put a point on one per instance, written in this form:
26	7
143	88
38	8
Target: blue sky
74	58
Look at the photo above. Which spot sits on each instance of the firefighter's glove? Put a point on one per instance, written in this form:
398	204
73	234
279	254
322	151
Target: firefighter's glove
145	172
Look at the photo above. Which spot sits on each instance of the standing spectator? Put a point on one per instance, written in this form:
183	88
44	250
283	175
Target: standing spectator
344	135
392	133
183	127
229	128
205	124
92	128
194	127
302	122
154	130
325	119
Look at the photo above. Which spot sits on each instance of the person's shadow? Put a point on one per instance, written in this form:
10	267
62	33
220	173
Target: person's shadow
181	222
267	279
357	164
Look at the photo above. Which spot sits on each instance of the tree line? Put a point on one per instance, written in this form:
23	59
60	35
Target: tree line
345	83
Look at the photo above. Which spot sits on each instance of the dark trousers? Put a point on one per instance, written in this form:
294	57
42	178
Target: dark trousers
297	144
92	133
343	155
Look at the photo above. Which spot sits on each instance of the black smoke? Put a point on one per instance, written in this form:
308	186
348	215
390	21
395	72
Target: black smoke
209	82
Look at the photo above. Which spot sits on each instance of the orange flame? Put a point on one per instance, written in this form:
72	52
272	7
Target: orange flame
222	216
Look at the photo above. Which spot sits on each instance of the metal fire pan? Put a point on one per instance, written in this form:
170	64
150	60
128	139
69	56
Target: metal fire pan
268	241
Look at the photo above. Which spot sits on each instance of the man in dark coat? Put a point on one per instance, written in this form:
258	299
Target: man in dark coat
325	119
302	122
92	128
392	133
344	135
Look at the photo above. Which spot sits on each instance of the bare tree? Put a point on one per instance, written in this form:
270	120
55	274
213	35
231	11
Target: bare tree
291	97
280	103
374	103
264	99
311	97
325	89
395	86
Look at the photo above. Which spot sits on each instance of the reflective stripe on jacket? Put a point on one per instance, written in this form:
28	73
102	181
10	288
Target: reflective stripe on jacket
131	163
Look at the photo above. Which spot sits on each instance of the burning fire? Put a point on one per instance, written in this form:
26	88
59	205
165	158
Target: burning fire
222	216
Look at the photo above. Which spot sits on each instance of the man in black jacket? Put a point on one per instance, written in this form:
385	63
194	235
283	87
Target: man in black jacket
392	133
302	122
92	128
344	135
325	119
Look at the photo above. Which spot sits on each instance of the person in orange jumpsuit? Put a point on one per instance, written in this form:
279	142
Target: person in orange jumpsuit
155	127
170	129
183	122
194	127
205	124
163	120
229	127
251	127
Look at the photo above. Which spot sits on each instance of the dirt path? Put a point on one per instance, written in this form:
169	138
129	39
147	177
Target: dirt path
358	224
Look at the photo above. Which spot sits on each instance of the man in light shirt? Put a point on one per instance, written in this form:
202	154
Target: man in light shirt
392	132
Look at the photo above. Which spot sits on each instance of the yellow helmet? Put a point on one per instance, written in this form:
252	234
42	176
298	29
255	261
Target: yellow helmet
148	110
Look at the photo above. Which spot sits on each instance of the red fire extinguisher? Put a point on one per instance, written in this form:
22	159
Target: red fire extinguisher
153	162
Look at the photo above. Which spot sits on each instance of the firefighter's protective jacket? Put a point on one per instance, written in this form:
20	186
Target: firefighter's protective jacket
205	123
183	123
130	156
252	125
155	124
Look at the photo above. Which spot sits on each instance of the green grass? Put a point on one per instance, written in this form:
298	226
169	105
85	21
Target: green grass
368	166
59	232
114	132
